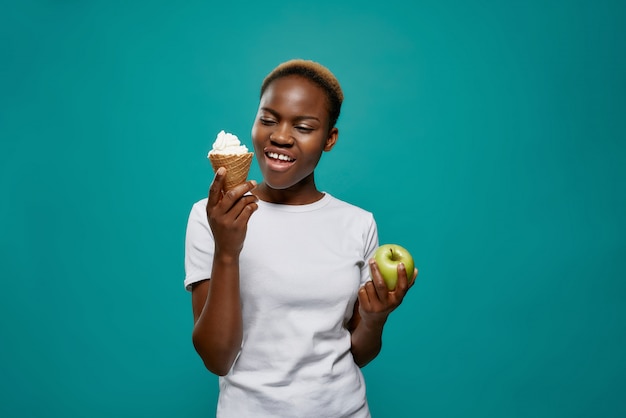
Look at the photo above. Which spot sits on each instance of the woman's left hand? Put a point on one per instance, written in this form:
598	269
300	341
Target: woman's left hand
376	301
371	310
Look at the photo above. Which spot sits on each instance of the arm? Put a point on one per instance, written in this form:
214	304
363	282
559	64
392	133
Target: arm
216	303
374	304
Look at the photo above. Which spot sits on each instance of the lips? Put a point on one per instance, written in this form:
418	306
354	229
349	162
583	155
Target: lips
280	157
278	160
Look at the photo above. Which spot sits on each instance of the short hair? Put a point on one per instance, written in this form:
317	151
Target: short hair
316	73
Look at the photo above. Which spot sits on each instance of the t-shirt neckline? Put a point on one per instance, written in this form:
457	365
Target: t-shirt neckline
297	208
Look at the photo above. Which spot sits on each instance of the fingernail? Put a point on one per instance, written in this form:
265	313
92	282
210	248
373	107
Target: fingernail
253	182
220	171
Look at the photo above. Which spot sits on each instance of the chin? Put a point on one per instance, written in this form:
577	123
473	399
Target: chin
277	186
282	181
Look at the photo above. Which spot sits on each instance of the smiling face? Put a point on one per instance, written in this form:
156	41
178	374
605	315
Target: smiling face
290	132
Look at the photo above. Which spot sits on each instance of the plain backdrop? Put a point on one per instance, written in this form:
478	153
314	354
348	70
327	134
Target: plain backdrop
487	137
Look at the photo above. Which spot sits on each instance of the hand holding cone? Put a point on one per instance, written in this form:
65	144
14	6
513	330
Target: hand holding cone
237	167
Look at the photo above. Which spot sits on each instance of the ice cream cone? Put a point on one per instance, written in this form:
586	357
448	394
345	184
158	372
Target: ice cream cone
237	167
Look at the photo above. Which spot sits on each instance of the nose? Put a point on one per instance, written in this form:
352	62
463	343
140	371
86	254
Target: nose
281	136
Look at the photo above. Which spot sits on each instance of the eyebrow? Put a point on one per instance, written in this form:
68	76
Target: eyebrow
303	117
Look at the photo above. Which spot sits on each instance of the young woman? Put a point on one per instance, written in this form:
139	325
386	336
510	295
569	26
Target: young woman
287	303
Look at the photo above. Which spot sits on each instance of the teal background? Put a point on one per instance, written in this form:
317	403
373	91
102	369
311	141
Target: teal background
487	137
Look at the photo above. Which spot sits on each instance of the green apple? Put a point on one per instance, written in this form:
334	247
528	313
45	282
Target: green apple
388	257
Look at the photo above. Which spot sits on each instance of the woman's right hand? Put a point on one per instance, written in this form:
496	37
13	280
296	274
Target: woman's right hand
228	213
216	302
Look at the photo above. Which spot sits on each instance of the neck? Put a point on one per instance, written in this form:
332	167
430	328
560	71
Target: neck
295	195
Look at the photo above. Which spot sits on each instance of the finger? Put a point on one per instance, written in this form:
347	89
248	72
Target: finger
240	203
373	301
236	192
246	212
237	199
238	214
382	291
402	284
215	191
364	300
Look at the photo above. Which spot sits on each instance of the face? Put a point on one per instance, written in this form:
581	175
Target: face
290	132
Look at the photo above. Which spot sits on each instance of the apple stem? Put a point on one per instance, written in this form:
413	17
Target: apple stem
393	254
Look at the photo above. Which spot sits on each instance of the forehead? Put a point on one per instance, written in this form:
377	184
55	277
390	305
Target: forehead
295	90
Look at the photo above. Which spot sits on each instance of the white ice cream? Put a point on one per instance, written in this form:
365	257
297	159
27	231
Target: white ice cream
228	144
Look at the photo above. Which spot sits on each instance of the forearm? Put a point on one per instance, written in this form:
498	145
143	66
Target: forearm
366	341
217	332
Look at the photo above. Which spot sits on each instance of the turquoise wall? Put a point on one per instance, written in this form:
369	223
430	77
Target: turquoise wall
487	137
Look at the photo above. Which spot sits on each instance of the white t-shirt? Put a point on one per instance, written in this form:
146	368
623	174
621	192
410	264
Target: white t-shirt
300	271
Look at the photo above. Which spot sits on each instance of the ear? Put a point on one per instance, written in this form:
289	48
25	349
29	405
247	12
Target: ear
331	140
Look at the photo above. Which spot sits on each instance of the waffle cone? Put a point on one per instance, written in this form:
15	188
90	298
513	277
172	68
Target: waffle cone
237	167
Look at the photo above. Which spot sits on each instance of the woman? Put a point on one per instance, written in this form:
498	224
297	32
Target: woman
287	303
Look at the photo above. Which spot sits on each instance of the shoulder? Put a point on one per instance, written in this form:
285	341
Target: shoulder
199	206
198	212
342	205
351	214
201	203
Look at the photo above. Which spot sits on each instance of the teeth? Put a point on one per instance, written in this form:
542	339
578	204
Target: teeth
277	156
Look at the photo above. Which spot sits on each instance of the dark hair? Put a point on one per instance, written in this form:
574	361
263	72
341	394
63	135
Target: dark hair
316	73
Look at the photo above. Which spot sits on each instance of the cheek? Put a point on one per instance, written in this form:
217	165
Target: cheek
256	134
254	131
313	156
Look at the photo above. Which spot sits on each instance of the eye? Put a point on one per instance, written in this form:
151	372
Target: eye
304	129
266	121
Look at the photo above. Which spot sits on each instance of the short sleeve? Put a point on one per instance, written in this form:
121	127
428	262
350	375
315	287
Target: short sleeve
199	246
370	245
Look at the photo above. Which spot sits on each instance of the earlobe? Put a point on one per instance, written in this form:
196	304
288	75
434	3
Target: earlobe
331	140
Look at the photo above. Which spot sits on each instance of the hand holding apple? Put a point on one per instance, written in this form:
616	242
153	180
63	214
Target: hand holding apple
387	257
